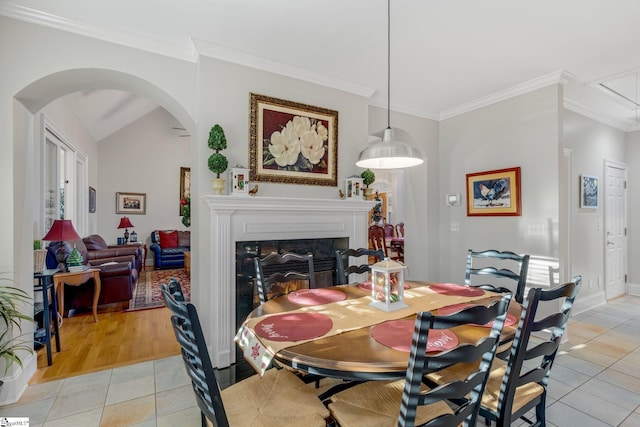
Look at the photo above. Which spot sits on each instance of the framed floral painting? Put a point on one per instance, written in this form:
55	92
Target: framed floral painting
292	143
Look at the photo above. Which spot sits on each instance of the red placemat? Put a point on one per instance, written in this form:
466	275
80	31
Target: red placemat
457	290
316	296
294	326
450	309
366	286
398	334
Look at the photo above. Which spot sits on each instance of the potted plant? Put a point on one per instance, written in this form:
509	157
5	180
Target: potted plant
368	177
10	346
217	162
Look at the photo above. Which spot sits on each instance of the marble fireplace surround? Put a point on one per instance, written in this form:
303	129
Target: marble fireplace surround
242	218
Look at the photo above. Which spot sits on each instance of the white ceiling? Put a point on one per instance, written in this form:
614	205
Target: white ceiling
447	56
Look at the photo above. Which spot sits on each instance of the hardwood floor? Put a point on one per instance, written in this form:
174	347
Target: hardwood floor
118	339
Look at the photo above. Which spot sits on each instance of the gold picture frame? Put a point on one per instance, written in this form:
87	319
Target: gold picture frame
494	193
292	143
185	186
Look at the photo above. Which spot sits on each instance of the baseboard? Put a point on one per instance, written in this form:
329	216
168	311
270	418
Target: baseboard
18	382
587	302
633	289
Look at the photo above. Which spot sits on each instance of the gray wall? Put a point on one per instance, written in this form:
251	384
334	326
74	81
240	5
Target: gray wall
633	206
521	131
591	143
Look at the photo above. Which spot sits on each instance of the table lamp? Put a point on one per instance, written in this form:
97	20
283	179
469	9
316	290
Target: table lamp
61	230
125	223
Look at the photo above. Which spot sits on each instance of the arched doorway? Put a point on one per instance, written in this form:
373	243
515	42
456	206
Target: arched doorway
32	99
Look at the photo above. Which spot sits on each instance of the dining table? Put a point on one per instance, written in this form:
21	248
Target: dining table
335	332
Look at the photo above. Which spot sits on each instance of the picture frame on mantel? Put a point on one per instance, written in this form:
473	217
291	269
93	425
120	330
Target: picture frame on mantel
292	143
494	193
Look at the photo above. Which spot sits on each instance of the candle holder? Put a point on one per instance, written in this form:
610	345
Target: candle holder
387	285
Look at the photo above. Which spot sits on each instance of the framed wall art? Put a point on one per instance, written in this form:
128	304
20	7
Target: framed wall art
92	200
185	186
494	193
292	143
131	203
589	186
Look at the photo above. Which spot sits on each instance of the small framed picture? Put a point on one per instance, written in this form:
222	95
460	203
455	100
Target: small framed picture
92	200
589	186
353	188
239	181
131	203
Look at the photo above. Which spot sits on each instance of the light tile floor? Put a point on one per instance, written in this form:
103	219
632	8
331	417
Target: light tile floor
595	382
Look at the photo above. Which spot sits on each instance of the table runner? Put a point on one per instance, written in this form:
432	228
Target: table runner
346	315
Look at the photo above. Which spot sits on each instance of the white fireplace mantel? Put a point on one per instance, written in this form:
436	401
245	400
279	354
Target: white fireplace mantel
244	218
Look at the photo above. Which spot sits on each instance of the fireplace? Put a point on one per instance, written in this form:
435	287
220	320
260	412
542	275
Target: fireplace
324	265
237	219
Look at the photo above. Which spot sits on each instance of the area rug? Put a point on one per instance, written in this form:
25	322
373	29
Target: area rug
147	293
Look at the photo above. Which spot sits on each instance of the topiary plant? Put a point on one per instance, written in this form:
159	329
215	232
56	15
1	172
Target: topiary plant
368	177
217	141
217	164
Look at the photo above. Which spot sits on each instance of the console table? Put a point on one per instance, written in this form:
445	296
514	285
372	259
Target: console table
46	283
77	278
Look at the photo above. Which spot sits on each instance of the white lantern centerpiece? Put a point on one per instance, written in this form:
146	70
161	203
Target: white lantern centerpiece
387	285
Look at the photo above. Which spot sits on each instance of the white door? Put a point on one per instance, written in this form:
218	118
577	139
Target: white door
615	230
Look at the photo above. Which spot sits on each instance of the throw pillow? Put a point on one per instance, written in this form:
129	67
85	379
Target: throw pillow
168	239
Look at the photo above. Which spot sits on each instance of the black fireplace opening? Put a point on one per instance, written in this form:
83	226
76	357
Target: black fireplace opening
324	265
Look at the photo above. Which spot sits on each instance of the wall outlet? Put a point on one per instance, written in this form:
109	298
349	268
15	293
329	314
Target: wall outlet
536	229
455	226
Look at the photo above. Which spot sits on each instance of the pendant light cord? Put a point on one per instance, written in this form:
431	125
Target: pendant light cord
389	64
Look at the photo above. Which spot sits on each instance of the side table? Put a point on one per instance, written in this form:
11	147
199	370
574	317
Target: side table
46	283
77	278
187	262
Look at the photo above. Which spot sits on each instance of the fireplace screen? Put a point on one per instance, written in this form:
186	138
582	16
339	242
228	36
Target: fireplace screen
324	264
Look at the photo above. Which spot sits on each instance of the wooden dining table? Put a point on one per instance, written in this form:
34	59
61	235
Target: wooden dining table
353	354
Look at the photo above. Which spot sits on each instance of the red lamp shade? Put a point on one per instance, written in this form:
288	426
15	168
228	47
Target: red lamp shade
125	223
61	230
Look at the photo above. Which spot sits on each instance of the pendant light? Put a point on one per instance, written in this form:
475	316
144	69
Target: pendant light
389	153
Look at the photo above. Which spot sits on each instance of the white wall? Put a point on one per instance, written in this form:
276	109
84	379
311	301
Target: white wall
143	157
522	131
633	206
591	143
419	185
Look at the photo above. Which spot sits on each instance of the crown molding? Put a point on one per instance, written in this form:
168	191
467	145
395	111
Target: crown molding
188	52
162	47
235	56
556	77
626	126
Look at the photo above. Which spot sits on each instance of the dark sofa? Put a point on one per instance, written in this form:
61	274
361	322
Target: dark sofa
169	246
97	249
118	276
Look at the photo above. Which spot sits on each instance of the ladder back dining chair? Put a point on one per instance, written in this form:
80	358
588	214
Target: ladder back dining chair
278	398
500	267
275	272
344	267
409	402
519	384
515	388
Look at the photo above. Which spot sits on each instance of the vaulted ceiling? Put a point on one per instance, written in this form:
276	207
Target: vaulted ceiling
447	57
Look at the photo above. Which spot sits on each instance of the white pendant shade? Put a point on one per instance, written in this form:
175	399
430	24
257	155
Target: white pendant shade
389	154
